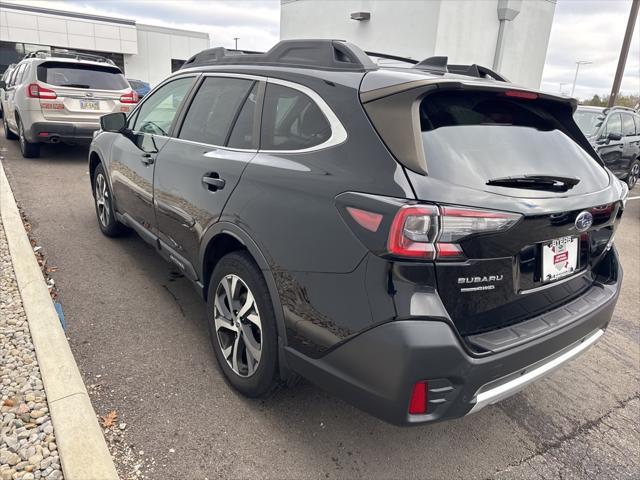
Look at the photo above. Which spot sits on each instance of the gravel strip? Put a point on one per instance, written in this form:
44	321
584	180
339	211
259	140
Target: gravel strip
27	443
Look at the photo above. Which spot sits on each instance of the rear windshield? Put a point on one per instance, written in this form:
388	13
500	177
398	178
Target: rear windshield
473	137
78	75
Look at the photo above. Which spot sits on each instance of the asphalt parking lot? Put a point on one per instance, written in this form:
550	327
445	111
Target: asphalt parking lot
139	336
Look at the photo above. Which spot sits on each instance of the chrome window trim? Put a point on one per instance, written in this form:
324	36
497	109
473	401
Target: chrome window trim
338	132
214	147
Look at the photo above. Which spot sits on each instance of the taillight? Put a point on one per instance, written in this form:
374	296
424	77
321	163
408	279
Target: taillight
35	90
129	97
429	231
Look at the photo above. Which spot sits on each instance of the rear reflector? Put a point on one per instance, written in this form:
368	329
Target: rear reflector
43	134
367	220
521	94
418	401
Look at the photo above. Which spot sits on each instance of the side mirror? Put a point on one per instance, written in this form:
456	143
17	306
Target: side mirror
3	84
614	136
114	122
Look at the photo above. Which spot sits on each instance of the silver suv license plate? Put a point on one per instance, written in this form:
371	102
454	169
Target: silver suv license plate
89	105
559	258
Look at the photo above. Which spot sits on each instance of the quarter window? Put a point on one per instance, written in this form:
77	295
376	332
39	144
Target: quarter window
158	110
291	120
628	128
213	110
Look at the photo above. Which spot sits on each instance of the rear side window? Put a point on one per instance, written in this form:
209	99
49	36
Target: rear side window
291	120
628	127
213	110
81	75
244	132
470	138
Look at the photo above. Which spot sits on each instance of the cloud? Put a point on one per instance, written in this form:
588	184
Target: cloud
256	23
591	31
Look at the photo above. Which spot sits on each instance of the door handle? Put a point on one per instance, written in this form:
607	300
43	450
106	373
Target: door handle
148	159
213	182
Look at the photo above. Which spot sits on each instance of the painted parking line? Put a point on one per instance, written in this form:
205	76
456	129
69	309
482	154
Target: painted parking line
634	198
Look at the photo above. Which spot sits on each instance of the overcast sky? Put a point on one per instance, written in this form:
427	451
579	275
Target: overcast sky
589	30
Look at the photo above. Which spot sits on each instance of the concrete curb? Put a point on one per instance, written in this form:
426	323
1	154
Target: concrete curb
83	451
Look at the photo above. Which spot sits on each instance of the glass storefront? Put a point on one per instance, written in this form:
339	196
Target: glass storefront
11	52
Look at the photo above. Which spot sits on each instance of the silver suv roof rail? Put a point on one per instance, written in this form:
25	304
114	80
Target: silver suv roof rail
69	54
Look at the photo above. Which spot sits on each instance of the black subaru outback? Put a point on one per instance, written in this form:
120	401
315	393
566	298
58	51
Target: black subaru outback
421	241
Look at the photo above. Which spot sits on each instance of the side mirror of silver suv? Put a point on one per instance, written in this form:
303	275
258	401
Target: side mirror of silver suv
114	122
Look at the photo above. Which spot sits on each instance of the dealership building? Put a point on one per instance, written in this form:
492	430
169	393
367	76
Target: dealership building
510	36
143	52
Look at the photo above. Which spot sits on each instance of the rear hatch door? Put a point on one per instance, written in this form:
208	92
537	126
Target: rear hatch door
512	151
84	90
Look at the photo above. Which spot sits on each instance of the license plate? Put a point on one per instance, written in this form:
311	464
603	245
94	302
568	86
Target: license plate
89	105
559	258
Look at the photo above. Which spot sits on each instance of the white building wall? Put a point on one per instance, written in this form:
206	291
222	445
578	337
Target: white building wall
157	46
67	32
464	30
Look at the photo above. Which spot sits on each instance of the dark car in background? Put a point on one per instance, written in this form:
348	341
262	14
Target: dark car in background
140	87
615	135
406	238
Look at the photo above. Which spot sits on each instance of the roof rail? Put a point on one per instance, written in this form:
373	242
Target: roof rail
386	56
323	54
68	54
440	65
619	107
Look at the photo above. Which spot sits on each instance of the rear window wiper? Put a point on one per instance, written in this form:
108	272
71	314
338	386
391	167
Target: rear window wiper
550	183
74	85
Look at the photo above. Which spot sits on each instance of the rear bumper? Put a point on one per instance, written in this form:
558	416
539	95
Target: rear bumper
377	369
61	132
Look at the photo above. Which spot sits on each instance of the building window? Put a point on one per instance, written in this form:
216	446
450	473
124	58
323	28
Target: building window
176	64
11	52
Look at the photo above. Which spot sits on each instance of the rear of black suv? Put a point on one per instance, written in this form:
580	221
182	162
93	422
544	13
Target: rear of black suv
501	269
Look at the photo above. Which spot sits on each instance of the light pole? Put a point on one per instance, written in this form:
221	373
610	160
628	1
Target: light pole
236	39
578	63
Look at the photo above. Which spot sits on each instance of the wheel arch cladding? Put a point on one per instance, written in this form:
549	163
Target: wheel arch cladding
225	237
94	161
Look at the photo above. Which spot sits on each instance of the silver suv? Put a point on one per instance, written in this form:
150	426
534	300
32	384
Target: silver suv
60	97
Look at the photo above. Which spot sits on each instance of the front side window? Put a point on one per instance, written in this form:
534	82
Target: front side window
291	120
213	110
628	127
614	125
157	112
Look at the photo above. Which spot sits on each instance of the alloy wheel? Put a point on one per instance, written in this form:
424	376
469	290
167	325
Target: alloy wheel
634	174
102	200
237	324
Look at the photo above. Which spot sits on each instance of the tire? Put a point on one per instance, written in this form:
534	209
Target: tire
102	199
8	134
236	337
634	174
28	149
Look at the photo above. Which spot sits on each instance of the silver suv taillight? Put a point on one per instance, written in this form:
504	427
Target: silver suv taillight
431	231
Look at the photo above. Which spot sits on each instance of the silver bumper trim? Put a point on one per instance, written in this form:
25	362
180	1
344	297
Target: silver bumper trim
511	387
